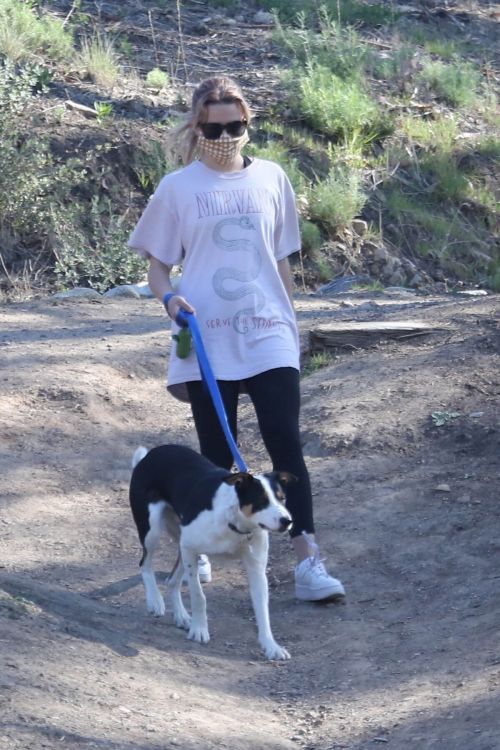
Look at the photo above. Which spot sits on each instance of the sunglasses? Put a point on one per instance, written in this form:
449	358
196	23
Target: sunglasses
214	130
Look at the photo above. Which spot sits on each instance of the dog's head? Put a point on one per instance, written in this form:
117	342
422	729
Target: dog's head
262	498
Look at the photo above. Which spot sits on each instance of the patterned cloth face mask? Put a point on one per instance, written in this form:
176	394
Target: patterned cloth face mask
224	150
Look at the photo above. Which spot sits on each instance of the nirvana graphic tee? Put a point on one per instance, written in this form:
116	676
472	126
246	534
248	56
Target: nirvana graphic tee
228	230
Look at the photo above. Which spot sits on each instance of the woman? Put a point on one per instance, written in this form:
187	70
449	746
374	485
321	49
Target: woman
232	222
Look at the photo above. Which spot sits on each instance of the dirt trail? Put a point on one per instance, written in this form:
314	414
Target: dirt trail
407	514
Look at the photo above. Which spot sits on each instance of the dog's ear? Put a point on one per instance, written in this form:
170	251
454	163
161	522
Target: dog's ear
240	479
285	478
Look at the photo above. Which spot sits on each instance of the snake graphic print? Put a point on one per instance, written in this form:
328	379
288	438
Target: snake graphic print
222	278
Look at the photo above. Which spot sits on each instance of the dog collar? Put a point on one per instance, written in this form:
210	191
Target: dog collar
234	528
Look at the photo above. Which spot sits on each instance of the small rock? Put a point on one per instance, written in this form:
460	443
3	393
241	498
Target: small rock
442	488
79	292
124	290
360	227
398	278
263	17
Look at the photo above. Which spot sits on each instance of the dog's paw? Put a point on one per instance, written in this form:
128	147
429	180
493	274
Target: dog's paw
198	633
275	652
156	605
182	619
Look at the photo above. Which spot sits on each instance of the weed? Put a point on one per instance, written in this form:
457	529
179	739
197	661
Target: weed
43	207
350	11
441	418
317	362
125	46
100	60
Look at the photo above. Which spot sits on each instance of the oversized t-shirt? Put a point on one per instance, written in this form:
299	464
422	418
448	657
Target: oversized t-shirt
229	230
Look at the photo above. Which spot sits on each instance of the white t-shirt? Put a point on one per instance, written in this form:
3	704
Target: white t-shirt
228	229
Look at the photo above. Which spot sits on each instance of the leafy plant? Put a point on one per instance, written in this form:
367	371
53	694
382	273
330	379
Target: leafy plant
351	11
104	111
276	151
441	418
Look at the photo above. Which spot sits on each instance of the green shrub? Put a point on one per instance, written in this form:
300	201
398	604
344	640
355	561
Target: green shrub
334	106
156	79
311	236
23	35
92	248
336	201
455	83
30	177
439	134
447	180
331	46
351	11
50	208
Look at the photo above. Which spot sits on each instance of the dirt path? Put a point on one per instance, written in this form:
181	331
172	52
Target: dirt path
407	513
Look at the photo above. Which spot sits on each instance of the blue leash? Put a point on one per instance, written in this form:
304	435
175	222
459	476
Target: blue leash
185	318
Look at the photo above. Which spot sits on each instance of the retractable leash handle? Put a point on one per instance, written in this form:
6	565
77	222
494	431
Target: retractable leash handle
183	319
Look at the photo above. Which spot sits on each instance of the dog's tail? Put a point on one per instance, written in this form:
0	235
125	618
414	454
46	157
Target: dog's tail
139	454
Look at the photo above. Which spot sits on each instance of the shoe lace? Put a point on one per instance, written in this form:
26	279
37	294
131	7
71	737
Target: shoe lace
315	560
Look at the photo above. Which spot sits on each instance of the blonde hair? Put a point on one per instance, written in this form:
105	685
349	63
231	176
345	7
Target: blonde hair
182	140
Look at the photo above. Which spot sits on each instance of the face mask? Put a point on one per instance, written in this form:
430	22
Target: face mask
224	150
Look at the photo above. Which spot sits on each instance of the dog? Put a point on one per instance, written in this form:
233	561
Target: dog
206	510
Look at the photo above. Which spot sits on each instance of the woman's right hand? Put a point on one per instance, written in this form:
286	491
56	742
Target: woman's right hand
177	303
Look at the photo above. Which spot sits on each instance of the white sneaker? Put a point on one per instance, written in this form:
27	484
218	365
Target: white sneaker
204	570
312	582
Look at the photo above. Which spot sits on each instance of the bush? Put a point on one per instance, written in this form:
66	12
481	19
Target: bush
92	248
29	179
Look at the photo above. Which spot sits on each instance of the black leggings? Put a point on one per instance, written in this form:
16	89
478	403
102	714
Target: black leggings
275	395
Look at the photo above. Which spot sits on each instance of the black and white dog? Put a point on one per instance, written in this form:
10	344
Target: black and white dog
207	510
